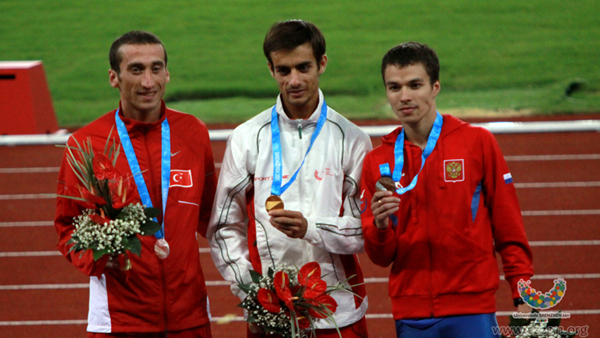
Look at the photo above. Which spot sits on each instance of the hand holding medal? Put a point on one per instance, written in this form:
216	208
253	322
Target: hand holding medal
384	203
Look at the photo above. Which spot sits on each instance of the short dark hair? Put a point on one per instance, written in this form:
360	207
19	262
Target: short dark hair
287	35
131	38
410	53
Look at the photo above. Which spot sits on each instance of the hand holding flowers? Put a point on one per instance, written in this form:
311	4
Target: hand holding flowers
111	221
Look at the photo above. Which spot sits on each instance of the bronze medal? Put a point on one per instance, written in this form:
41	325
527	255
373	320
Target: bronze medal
385	183
273	203
161	248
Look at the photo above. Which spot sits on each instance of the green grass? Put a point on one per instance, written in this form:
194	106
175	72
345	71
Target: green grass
496	55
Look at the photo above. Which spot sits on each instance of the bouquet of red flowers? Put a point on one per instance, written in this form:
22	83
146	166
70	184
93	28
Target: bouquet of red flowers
110	222
288	301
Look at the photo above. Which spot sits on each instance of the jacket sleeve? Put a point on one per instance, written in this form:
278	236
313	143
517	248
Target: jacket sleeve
227	230
343	234
210	185
66	210
507	224
380	245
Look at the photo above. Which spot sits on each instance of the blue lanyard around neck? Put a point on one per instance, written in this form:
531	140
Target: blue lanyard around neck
165	168
434	135
276	188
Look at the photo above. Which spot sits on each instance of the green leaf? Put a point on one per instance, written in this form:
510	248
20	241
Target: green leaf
135	245
99	253
244	287
151	212
149	228
270	273
251	319
256	277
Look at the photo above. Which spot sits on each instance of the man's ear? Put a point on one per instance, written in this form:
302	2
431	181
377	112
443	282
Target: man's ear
323	64
271	69
436	88
168	76
113	78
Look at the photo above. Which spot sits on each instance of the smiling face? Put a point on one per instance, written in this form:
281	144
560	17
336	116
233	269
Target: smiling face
411	94
141	81
297	74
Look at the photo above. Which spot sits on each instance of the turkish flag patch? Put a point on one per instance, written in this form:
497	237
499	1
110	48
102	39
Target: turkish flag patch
181	178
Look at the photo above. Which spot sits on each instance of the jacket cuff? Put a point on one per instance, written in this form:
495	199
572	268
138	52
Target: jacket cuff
514	281
312	235
383	235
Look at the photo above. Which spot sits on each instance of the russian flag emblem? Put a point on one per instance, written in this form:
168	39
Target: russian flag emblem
508	178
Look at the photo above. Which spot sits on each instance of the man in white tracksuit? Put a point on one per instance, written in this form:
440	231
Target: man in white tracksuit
318	160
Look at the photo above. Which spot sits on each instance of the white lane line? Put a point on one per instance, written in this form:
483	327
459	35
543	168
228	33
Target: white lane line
524	213
26	224
45	286
374	280
27	196
207	250
557	185
55	253
44	322
560	212
29	170
79	286
370	280
563	243
572	312
574	157
30	254
234	318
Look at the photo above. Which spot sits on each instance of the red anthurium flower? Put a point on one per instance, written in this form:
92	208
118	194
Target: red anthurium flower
90	197
268	299
103	168
323	301
100	219
121	191
281	281
315	288
310	271
303	322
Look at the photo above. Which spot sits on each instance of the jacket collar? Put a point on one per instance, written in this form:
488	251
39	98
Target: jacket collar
135	125
312	120
451	123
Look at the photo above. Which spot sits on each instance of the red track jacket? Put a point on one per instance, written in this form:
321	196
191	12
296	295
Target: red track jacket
155	295
442	245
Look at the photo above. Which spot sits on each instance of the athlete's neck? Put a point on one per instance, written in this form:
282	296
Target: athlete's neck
300	112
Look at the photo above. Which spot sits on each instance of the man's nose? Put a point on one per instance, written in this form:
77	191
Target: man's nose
405	95
148	79
294	78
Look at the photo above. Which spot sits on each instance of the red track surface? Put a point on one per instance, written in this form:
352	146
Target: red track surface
21	310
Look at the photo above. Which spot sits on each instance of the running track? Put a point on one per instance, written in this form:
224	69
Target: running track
558	182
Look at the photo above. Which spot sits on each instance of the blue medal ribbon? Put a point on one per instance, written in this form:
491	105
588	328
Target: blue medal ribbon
434	135
165	168
276	188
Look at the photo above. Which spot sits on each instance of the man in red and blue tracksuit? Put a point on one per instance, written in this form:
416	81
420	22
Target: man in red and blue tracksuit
440	203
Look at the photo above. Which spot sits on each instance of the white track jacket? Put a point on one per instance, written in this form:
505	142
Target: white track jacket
326	191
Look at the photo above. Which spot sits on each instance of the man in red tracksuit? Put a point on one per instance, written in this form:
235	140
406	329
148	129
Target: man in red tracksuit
441	201
156	296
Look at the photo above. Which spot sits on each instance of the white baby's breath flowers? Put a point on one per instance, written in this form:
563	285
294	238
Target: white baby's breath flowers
110	235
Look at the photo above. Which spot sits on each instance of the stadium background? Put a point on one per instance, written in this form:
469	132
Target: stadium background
505	59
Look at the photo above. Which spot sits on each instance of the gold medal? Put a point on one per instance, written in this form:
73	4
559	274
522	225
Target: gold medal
273	203
161	248
385	183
